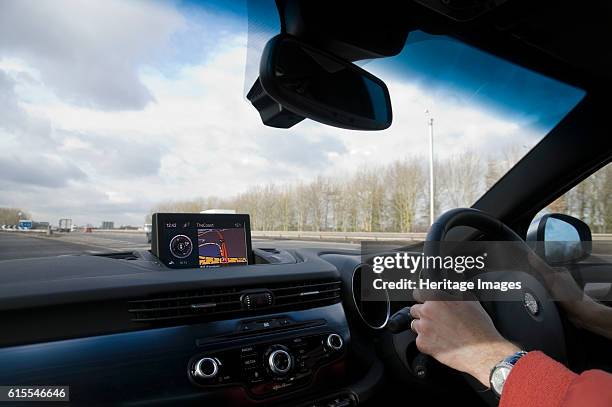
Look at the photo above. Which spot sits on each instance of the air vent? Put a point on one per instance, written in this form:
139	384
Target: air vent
306	293
119	255
211	304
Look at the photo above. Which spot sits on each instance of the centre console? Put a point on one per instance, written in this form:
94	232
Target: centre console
267	367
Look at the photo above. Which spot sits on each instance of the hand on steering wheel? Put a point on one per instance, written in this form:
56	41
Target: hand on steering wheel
465	337
461	335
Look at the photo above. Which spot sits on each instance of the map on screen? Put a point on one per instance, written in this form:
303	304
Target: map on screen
222	246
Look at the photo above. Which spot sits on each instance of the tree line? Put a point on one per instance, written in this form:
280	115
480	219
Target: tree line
11	216
395	197
590	201
386	198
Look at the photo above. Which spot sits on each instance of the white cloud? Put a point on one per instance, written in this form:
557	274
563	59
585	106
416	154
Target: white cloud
88	52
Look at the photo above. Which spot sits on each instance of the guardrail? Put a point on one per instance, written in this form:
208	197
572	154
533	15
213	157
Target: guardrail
295	235
339	236
24	230
127	231
602	236
309	235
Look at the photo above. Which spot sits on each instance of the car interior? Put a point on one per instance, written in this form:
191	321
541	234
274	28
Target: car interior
288	326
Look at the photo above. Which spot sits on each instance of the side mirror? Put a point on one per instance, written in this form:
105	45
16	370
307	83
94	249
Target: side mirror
560	239
315	84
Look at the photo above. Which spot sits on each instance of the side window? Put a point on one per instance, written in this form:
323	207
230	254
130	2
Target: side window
589	201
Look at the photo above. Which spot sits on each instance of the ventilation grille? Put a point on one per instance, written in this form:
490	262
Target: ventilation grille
222	303
119	255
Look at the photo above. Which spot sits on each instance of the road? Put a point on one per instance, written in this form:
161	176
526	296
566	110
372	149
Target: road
14	245
18	245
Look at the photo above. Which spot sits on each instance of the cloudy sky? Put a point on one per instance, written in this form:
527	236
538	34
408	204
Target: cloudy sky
107	108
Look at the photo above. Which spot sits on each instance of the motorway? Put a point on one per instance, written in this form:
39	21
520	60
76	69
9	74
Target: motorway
15	245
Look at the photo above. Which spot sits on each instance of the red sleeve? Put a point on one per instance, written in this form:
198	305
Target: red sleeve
540	381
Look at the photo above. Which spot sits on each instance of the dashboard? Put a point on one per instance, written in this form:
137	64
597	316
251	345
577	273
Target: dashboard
283	328
275	327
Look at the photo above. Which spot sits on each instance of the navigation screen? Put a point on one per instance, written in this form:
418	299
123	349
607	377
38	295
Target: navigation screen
218	247
189	240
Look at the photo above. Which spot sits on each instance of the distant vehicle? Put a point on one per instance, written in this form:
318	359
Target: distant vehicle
226	211
148	227
65	225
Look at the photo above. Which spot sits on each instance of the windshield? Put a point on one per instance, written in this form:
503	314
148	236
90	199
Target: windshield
118	109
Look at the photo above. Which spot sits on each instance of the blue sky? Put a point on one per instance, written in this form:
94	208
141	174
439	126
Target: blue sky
443	64
113	108
439	63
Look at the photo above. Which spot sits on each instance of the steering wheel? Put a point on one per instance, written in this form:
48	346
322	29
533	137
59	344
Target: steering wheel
531	327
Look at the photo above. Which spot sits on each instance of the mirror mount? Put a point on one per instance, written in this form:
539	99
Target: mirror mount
272	113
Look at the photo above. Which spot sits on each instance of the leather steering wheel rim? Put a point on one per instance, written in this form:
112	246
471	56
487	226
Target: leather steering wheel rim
474	218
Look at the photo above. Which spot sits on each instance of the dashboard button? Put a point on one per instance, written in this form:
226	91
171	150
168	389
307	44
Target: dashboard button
249	362
298	342
255	376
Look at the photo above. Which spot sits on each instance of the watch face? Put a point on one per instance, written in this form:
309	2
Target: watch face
498	378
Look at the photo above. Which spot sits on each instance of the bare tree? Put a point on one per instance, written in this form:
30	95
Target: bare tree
11	216
459	180
404	180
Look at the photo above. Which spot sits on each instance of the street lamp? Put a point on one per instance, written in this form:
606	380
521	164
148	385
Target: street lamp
430	121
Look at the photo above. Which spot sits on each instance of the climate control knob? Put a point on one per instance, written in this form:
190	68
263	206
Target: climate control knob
280	360
334	342
206	368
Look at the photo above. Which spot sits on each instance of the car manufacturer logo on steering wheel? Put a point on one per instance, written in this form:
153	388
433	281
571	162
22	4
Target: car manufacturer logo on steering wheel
531	303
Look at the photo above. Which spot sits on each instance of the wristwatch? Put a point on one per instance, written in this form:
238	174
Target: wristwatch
501	371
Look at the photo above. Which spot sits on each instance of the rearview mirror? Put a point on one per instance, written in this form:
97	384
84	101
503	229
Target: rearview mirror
320	86
560	239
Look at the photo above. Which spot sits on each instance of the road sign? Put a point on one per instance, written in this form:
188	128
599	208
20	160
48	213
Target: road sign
25	224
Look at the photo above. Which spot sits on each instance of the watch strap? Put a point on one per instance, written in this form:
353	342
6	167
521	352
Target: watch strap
507	362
